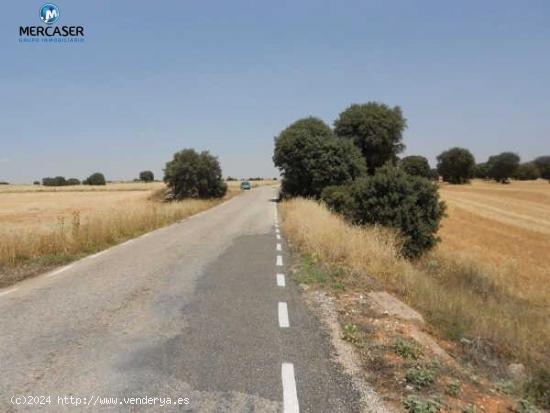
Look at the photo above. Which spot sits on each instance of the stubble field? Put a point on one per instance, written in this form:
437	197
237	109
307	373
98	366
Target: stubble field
41	227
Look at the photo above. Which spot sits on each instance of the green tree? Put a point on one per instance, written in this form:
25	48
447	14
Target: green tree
481	170
73	181
527	172
310	158
146	176
416	165
395	199
194	175
543	165
376	129
57	181
503	166
456	165
97	178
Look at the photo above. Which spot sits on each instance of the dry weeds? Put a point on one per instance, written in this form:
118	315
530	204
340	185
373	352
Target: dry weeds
42	228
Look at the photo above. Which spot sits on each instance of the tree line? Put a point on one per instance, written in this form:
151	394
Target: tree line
97	178
354	168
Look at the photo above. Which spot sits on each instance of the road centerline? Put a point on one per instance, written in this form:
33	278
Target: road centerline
290	395
283	315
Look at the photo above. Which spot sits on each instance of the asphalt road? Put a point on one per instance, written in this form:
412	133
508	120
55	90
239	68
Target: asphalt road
194	312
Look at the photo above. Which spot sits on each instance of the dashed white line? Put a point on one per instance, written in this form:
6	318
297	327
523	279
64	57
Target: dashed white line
6	292
283	315
279	248
277	231
278	236
281	280
290	395
279	261
59	271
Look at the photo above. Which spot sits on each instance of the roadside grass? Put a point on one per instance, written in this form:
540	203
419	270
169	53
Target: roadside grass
460	296
31	249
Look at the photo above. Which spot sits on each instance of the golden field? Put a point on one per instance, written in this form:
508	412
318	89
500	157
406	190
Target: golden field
487	280
45	226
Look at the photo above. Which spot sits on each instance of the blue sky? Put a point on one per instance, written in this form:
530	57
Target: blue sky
156	77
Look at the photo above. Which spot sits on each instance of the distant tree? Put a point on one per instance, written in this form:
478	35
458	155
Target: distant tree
415	165
73	181
434	175
57	181
395	199
503	166
96	178
456	165
310	158
481	170
194	175
376	129
4	183
543	165
527	172
36	183
146	176
230	178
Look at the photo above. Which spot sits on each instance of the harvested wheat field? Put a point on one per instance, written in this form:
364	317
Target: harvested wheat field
504	226
42	227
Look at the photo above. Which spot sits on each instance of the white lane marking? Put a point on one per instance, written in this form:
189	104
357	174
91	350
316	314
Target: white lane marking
6	292
281	280
279	248
278	236
59	271
277	231
290	395
279	262
283	315
146	235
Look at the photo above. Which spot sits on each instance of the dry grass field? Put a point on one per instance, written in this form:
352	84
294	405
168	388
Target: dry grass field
41	227
488	280
506	227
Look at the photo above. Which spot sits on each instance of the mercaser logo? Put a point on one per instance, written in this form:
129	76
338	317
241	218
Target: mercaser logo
49	14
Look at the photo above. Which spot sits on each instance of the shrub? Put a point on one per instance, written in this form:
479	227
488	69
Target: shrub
311	158
543	165
421	376
503	166
96	178
146	176
73	181
456	165
415	404
36	183
4	183
527	172
407	349
194	175
416	165
376	129
393	199
230	178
